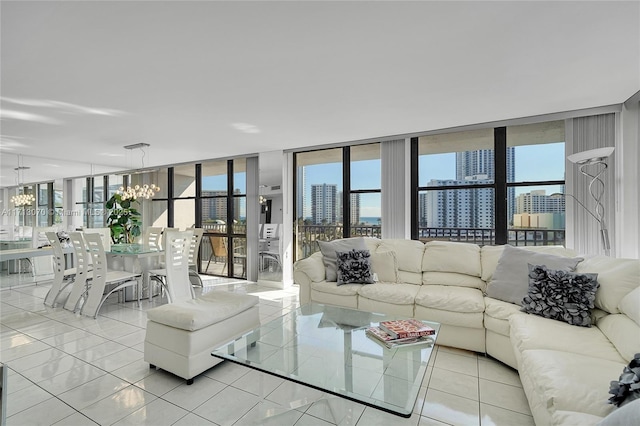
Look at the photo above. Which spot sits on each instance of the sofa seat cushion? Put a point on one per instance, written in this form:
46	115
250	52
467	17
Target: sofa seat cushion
397	294
210	308
534	332
332	287
562	381
451	278
497	314
449	298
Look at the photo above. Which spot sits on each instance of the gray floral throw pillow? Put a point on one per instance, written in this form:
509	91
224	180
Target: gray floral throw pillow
354	266
560	295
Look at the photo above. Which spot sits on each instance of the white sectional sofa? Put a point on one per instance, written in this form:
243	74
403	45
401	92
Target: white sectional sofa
565	369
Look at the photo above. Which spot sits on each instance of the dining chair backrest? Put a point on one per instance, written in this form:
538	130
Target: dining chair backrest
271	230
95	249
152	236
59	270
81	259
58	255
177	265
164	236
39	237
195	244
105	236
82	262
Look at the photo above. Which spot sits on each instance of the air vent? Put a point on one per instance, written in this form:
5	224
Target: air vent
275	187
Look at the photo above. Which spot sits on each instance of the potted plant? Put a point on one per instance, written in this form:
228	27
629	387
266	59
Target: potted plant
124	220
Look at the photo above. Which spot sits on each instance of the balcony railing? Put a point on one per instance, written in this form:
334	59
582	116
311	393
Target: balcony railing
307	235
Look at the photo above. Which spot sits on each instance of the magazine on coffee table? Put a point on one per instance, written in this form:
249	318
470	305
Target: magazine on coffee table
401	329
381	337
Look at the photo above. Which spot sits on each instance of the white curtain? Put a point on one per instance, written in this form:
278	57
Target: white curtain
583	230
253	217
395	203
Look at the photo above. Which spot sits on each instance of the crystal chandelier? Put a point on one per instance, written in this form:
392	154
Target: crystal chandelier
134	192
145	191
22	200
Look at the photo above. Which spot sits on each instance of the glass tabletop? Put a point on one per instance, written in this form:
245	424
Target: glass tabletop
326	347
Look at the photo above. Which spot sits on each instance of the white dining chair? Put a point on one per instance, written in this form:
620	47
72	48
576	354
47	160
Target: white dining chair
177	283
194	249
62	276
151	237
105	282
270	245
82	262
41	265
105	235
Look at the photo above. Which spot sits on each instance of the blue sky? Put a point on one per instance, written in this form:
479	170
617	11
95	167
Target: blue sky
533	163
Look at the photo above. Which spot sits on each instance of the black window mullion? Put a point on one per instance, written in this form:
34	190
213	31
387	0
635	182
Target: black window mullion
230	218
50	204
414	189
346	192
170	203
198	216
500	181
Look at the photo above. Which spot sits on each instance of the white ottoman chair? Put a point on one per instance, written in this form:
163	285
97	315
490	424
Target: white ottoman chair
181	336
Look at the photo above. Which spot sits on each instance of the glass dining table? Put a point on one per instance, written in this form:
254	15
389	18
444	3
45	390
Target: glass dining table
137	258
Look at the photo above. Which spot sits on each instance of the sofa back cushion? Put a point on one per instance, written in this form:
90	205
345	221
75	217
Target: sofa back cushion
622	332
445	256
329	256
510	281
408	252
385	266
617	278
630	305
490	255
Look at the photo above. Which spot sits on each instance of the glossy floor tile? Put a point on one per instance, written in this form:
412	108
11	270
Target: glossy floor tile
65	369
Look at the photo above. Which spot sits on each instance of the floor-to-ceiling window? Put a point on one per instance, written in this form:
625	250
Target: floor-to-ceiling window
492	186
222	214
535	188
337	195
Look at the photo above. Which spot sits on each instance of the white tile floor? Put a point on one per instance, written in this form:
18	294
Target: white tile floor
71	370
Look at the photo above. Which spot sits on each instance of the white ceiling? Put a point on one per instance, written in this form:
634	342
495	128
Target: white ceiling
202	80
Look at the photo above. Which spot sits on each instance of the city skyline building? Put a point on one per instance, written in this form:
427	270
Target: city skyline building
457	208
469	207
537	201
216	208
324	203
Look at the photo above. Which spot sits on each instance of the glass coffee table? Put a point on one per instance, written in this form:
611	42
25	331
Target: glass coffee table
325	347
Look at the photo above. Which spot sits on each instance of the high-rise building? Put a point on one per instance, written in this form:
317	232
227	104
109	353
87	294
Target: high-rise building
216	208
469	207
323	203
355	208
538	202
481	162
457	208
